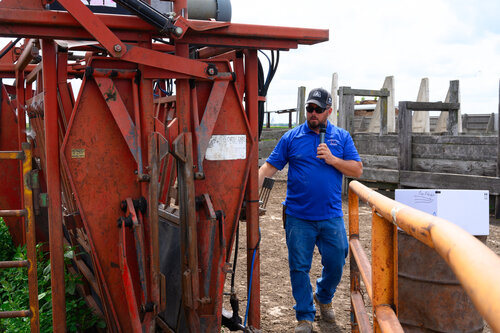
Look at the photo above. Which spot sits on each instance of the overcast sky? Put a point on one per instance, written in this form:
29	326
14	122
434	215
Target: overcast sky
442	40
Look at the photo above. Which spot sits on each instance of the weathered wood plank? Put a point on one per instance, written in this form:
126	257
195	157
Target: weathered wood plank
373	144
455	152
458	140
478	168
365	92
497	200
404	136
380	175
431	106
449	181
379	161
390	138
376	148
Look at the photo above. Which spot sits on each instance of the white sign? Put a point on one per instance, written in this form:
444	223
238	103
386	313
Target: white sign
227	147
104	3
469	209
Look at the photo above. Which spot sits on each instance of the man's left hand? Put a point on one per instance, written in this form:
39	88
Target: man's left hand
325	154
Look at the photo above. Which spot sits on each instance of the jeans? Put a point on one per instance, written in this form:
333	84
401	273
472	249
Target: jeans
301	237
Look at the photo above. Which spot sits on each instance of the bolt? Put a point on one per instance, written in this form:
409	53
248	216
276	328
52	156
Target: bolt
211	71
117	48
178	31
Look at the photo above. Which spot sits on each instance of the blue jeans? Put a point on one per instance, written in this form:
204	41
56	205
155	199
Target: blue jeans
301	237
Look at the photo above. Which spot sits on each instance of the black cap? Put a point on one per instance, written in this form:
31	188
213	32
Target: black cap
320	97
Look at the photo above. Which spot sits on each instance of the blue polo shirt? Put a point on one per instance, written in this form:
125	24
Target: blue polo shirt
313	187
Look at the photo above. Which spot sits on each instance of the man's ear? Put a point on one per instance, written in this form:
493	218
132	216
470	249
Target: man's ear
330	109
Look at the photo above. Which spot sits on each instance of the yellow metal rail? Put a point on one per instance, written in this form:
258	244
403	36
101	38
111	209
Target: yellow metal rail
29	221
475	265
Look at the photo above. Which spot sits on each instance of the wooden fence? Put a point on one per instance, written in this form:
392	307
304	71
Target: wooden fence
418	160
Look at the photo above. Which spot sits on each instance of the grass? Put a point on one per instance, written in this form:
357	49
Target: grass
14	291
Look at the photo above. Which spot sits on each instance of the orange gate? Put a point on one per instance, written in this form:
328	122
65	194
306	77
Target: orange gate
475	266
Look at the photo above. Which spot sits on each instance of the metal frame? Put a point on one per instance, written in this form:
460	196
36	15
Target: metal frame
135	146
28	220
474	264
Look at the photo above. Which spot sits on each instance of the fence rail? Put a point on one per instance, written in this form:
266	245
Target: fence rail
476	267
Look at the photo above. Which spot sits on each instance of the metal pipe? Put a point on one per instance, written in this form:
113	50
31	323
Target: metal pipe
363	263
475	265
387	319
13	212
30	51
360	322
15	314
21	132
54	185
29	221
253	265
384	270
12	264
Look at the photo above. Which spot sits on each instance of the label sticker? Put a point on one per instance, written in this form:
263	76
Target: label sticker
105	3
77	153
226	147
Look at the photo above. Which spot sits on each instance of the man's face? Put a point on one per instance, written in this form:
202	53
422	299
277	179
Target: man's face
317	115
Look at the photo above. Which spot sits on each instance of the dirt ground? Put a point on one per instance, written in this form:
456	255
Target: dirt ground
277	314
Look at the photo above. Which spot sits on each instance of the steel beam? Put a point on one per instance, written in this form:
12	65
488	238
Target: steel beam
53	173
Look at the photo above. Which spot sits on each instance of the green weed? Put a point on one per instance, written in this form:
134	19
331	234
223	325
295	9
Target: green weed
14	291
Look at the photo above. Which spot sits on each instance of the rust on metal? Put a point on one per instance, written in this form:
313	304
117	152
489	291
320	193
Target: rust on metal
11	155
11	264
476	267
117	112
15	314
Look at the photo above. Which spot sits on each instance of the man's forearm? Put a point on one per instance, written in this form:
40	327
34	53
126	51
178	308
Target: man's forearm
266	170
348	168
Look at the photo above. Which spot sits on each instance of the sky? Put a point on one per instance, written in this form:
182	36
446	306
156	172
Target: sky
441	40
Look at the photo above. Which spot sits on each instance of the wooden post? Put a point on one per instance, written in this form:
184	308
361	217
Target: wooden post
452	123
268	115
383	114
346	109
497	200
346	120
301	105
333	117
404	137
342	108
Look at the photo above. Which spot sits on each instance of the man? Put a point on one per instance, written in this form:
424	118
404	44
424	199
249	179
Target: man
314	204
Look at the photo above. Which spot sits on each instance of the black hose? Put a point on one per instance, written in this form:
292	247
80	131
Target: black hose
235	259
147	13
261	93
264	84
4	52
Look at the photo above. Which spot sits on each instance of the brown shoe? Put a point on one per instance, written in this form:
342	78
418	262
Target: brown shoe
304	326
326	310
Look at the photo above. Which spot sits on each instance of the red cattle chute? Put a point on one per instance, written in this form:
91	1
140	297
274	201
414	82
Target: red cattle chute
126	147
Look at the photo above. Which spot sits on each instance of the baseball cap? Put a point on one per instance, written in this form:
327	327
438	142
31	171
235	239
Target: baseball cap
320	97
